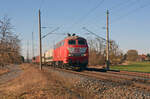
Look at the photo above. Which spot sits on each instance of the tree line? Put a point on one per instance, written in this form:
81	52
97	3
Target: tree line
9	43
97	53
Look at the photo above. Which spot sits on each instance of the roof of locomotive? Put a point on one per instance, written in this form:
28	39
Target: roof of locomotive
71	37
74	37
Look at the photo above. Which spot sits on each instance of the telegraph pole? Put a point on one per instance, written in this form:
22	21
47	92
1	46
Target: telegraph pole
40	40
107	38
32	44
27	51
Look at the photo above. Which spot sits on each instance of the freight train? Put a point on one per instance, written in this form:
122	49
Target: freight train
71	52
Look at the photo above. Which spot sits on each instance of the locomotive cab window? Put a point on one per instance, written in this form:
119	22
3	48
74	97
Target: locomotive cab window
81	42
72	42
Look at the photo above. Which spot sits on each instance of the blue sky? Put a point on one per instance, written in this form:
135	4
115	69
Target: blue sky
129	20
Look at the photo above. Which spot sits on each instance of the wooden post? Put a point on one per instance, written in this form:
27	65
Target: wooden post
40	40
107	38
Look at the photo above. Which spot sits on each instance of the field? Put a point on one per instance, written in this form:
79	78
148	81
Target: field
134	67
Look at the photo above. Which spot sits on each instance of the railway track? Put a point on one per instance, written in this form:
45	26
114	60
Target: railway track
116	77
124	75
135	74
114	74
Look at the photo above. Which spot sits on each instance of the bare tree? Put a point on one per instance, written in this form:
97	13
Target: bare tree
97	52
9	43
116	55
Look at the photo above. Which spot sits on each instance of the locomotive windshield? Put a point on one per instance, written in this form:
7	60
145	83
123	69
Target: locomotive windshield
81	42
72	42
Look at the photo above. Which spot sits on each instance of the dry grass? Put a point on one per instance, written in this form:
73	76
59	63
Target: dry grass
65	87
36	84
3	71
29	80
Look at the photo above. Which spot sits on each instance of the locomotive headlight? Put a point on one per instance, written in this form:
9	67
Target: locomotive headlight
71	50
83	55
70	54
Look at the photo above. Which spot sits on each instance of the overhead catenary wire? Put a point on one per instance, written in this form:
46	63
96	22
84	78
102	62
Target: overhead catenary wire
131	12
51	32
129	3
112	8
119	4
87	14
94	33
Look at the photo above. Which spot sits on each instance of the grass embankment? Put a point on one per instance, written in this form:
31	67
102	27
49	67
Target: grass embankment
134	67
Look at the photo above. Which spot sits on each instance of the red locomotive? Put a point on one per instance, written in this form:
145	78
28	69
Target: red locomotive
68	53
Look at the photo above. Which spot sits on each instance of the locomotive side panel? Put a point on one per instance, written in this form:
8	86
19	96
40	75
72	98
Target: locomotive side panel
59	51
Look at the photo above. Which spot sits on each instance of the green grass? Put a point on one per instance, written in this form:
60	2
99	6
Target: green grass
133	66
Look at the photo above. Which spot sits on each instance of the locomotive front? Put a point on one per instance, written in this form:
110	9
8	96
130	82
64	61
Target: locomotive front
77	51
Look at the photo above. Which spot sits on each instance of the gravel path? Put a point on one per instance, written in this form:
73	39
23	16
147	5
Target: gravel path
103	89
14	71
